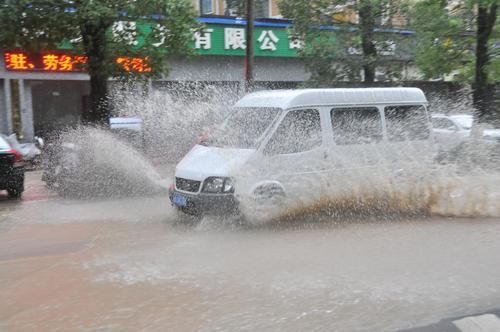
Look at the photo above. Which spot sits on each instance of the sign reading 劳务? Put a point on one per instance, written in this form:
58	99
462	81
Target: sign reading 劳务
63	63
53	62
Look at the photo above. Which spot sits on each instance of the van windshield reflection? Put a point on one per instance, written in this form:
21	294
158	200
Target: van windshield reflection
244	128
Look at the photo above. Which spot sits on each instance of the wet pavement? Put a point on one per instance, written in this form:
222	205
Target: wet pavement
124	265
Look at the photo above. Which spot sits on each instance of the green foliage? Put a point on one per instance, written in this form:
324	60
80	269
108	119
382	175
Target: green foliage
443	43
37	25
446	42
328	58
34	25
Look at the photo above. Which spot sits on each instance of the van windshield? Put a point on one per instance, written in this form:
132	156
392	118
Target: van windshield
244	128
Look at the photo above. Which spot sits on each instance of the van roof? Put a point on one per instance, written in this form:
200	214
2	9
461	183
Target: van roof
309	97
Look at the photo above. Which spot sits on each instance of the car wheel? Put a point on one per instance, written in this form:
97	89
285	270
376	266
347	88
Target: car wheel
15	192
272	195
264	202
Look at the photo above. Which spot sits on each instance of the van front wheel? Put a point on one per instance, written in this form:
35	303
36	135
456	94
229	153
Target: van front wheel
271	194
266	200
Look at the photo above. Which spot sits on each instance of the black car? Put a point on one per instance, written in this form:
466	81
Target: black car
11	170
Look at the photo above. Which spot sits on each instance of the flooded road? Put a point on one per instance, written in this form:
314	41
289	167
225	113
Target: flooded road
123	265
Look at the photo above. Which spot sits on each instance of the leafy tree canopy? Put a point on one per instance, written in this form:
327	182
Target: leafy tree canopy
328	57
38	25
102	30
446	39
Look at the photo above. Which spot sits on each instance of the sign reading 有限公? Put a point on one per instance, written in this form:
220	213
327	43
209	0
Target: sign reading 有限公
231	40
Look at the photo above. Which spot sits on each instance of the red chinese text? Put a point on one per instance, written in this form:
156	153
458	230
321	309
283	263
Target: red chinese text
129	64
17	61
62	62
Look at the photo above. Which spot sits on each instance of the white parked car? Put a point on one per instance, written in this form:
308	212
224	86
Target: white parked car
451	130
283	143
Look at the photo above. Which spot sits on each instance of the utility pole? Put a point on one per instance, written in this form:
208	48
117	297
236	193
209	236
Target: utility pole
249	59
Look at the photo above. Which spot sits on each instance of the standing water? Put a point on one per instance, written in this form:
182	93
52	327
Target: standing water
382	258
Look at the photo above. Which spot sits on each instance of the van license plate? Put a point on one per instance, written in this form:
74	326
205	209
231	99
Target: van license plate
179	200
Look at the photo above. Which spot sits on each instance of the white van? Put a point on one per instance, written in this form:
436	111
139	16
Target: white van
276	144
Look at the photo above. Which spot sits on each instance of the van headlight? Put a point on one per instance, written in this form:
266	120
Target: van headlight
218	185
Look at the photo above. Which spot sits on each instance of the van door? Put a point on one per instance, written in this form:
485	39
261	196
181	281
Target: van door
294	153
354	152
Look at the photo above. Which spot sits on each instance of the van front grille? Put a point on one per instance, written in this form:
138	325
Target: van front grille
187	185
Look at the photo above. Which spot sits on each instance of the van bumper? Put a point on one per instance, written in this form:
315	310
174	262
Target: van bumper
204	203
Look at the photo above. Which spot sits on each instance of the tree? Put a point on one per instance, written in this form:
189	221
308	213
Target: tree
328	55
441	42
456	39
486	18
102	30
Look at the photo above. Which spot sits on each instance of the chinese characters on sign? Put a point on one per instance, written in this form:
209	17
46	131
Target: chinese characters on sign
50	62
137	65
219	40
203	39
295	43
56	62
234	39
268	40
213	39
17	61
278	41
63	62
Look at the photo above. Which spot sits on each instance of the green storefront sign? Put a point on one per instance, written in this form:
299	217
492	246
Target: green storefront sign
269	41
230	40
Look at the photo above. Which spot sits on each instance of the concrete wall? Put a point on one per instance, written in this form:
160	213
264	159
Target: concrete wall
5	109
230	68
25	108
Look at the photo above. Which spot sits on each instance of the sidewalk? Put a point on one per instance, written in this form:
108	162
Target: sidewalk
34	187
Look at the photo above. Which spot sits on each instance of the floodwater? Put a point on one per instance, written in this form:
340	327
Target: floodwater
123	265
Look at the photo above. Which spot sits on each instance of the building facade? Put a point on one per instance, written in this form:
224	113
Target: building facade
264	8
44	92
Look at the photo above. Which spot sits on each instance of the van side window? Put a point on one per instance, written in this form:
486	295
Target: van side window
359	125
299	131
406	123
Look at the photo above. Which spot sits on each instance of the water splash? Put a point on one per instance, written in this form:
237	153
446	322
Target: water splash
464	183
97	163
174	119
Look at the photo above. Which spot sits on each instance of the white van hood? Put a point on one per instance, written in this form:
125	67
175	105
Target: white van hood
203	161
